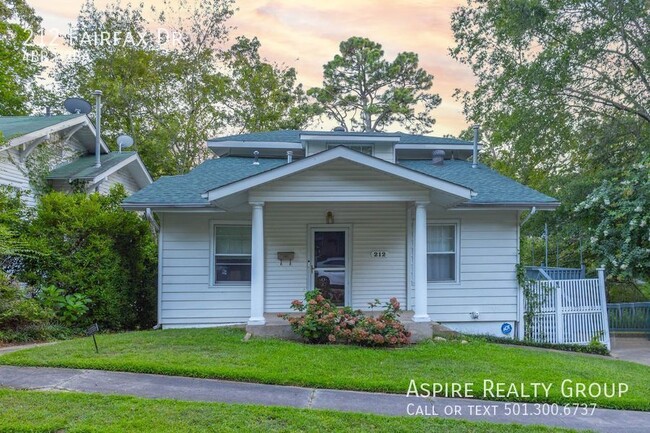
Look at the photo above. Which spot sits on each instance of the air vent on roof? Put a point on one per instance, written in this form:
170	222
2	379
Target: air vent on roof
256	161
438	157
338	129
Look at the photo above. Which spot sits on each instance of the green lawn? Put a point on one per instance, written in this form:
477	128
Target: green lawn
221	353
35	411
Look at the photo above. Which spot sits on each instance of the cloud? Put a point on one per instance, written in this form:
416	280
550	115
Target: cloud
306	34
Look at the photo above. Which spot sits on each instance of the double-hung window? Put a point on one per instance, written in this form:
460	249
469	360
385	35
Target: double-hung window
232	253
441	253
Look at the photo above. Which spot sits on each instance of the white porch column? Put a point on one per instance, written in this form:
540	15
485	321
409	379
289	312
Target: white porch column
420	263
257	266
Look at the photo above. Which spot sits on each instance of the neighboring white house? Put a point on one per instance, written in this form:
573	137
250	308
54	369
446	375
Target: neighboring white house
59	151
358	215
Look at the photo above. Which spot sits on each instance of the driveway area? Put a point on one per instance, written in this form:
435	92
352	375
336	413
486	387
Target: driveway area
631	349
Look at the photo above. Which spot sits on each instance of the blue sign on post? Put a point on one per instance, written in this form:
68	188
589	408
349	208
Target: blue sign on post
506	328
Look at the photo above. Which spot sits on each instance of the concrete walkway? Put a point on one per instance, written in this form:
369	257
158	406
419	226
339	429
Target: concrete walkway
17	347
631	349
183	388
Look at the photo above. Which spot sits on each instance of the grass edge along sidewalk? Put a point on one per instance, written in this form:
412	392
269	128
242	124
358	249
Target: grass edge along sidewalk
220	353
71	412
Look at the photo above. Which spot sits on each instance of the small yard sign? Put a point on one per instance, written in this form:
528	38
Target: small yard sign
506	328
91	331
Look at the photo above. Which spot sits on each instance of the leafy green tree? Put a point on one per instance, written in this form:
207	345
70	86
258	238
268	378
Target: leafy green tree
363	91
21	59
161	87
560	84
618	214
262	96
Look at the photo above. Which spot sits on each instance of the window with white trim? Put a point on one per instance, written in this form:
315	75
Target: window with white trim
232	253
363	148
441	253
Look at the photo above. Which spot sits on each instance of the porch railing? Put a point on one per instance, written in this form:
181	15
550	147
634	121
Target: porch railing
629	317
550	273
570	311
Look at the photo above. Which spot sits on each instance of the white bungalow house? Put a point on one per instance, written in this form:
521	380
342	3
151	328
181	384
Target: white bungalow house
59	152
359	215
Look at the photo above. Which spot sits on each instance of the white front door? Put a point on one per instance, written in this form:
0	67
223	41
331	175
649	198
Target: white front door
329	262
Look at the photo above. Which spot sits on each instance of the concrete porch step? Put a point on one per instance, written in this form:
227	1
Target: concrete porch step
277	327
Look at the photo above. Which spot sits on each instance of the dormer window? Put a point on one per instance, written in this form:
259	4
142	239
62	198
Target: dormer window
363	148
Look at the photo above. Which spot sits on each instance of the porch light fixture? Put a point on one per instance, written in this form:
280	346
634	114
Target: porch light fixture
329	217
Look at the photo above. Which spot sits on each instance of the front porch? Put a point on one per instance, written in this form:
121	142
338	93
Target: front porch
353	252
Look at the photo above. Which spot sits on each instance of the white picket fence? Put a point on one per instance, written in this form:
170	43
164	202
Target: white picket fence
568	311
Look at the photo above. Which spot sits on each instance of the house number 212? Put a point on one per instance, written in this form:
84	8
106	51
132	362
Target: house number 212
378	254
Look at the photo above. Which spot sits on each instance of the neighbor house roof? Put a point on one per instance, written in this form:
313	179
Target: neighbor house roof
17	130
84	168
14	126
293	136
490	188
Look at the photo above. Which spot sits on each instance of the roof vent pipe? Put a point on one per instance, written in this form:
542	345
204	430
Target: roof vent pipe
289	156
98	120
48	112
338	129
475	150
256	154
438	157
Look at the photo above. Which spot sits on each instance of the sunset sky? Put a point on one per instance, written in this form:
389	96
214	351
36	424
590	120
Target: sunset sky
306	34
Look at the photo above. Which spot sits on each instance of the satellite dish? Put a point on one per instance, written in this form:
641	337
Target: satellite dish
124	141
77	106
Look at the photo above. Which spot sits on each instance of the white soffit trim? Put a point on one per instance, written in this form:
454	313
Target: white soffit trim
34	135
144	172
330	155
449	146
116	167
345	138
256	144
103	145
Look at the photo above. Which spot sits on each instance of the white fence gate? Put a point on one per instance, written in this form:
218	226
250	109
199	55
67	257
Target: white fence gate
567	311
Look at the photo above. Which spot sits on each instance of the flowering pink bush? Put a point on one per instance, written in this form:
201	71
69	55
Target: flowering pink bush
323	322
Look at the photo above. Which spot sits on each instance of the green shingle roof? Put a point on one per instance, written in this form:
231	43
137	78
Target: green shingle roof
15	126
213	173
293	136
490	186
84	167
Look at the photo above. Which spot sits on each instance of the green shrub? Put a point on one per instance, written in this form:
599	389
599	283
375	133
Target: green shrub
323	322
67	308
22	317
596	348
94	250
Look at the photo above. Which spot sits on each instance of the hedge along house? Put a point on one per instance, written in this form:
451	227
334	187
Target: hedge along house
361	216
58	152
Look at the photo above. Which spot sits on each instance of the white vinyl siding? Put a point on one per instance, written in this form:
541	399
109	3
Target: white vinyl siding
374	226
340	181
188	298
487	283
122	176
11	175
486	252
